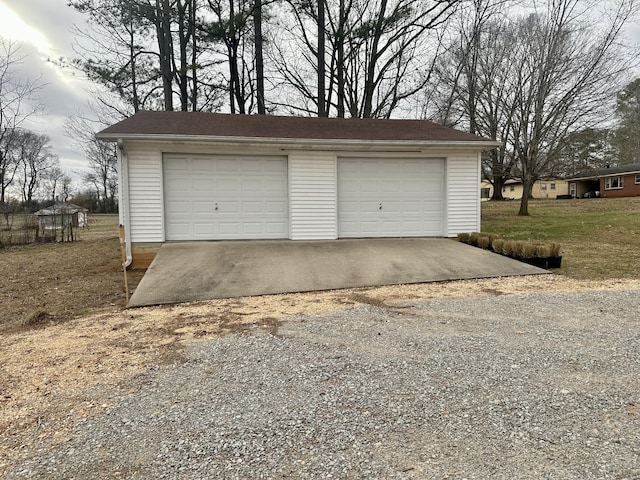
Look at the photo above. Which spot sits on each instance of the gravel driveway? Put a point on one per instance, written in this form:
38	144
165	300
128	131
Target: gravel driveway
514	386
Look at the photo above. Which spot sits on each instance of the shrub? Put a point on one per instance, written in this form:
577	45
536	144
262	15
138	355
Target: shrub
473	238
528	250
543	251
493	237
509	248
484	242
497	245
463	237
554	249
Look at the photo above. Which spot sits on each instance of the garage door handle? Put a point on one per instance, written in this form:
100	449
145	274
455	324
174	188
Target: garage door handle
216	209
380	207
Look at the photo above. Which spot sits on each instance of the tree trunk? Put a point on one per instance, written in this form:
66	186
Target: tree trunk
498	185
184	36
369	81
194	56
340	66
165	49
322	111
526	193
133	58
257	20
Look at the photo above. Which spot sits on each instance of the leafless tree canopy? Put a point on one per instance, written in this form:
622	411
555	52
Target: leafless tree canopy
18	102
530	80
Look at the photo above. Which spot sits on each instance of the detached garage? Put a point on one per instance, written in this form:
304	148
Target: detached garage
203	176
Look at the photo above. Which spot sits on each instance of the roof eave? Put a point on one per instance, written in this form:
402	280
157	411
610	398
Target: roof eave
583	178
300	142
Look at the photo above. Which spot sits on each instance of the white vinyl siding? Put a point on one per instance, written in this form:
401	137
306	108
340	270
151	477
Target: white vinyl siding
145	195
312	196
463	184
391	197
225	197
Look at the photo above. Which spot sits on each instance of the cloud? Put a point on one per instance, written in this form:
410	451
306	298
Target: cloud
44	29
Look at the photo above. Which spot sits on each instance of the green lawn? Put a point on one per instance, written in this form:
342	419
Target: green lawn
600	237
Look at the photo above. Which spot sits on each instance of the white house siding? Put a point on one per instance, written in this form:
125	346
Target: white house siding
312	188
463	193
145	195
312	196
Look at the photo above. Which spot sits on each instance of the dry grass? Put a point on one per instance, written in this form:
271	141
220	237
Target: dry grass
51	282
600	238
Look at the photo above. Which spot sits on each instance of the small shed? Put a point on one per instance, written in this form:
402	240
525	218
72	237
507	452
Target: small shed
61	215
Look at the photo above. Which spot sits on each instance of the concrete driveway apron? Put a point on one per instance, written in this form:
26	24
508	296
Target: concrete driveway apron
195	271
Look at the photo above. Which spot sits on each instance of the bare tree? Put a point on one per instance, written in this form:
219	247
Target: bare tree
375	54
530	81
474	87
52	180
102	174
35	160
567	68
18	102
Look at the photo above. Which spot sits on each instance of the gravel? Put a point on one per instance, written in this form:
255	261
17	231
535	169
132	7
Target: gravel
514	386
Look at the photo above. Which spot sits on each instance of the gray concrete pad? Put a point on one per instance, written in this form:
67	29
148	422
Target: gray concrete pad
185	272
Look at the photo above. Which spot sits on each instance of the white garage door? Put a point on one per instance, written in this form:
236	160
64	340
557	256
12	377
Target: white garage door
214	197
390	197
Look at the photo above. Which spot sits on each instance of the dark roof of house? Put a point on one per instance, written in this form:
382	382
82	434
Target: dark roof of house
608	171
202	124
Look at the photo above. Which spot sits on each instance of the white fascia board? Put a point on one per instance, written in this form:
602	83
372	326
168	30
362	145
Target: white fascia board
620	174
604	175
307	144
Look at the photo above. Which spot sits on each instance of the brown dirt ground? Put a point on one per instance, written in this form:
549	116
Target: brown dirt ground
66	365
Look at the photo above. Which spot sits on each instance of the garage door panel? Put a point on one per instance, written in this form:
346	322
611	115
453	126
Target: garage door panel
368	207
228	229
394	207
410	191
391	187
227	186
181	231
203	184
203	207
369	186
178	164
368	228
252	208
273	187
210	197
203	165
228	165
203	229
275	208
412	207
277	228
179	208
252	228
230	207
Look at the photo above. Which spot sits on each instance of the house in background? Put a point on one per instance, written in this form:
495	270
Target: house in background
621	181
512	189
204	176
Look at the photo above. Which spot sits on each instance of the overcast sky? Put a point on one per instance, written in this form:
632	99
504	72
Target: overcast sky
44	28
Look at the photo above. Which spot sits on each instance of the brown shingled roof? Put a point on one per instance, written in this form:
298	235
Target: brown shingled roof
269	126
